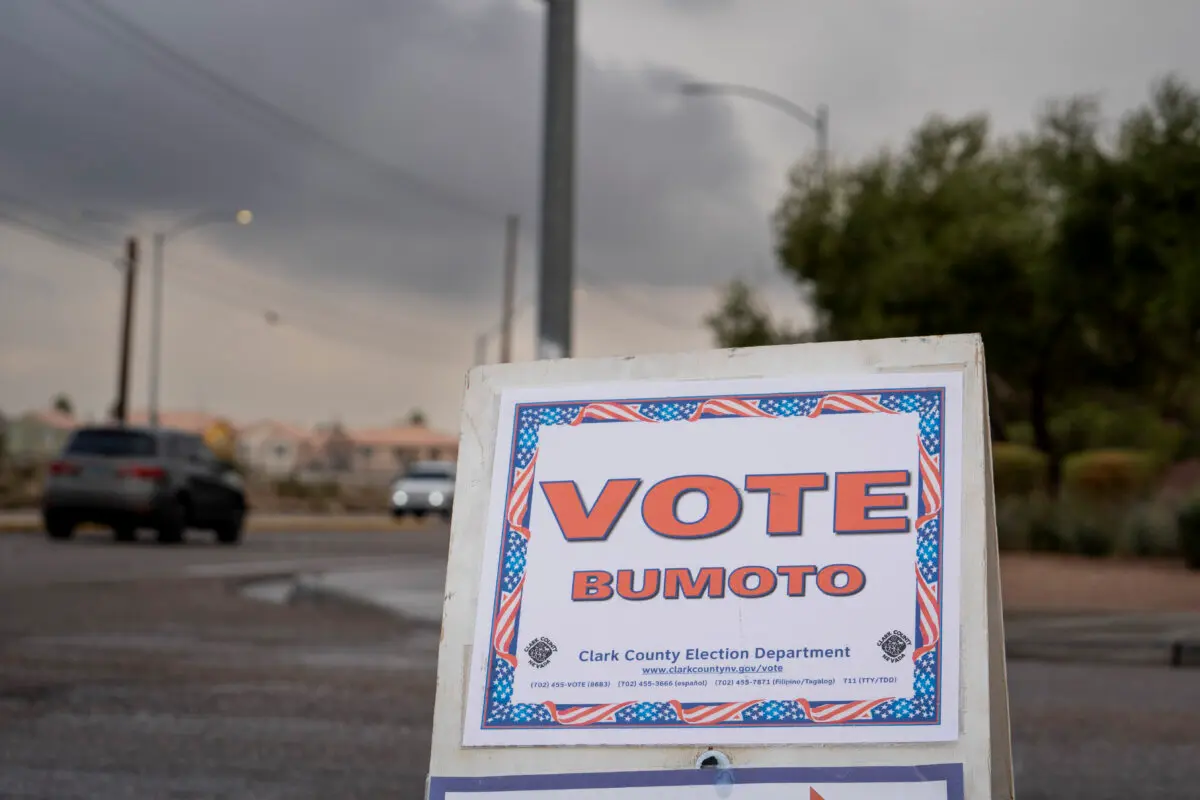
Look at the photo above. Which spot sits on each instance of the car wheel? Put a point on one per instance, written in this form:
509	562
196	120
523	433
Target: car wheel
230	532
125	533
59	526
172	523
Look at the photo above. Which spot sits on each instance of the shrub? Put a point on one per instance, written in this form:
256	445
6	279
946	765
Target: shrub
1189	534
1045	535
1149	532
1116	425
1093	540
1109	476
293	488
1017	470
1022	521
1088	529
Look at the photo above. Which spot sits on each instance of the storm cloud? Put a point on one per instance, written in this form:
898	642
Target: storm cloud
406	132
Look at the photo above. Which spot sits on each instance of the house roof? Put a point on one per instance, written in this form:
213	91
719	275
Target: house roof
191	421
276	429
54	419
403	436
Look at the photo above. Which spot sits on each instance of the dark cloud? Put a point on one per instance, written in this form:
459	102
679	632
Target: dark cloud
446	92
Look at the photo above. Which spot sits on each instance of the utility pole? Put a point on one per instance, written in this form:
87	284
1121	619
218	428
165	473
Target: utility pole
512	230
156	300
481	349
121	410
557	235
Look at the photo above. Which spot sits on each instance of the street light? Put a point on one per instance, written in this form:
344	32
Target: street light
242	217
819	121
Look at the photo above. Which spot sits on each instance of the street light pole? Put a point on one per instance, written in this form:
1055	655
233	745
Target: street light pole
819	122
156	309
156	298
557	213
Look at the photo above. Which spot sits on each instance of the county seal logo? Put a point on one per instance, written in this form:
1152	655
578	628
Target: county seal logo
539	651
893	645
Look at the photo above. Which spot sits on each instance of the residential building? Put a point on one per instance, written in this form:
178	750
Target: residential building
37	436
382	453
327	455
274	449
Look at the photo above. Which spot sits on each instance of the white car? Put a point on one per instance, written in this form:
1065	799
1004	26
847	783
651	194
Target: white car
426	488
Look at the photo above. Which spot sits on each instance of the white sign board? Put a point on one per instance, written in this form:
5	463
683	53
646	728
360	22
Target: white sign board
762	547
762	558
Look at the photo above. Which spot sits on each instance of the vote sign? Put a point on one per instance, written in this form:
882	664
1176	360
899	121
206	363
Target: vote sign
772	560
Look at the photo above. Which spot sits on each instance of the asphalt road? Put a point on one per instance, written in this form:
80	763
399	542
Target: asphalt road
142	672
139	671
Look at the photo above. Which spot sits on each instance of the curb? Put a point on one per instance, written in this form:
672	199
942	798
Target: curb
1132	653
309	588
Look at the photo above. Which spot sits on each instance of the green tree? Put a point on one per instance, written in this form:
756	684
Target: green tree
957	233
741	321
1132	234
1078	260
63	404
417	418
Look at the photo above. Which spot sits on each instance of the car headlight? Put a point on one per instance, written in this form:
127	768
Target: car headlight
400	497
436	498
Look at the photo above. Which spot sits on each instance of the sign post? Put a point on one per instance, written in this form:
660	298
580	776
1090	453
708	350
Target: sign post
774	569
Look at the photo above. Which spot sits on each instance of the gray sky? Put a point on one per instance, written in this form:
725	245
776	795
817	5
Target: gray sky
384	264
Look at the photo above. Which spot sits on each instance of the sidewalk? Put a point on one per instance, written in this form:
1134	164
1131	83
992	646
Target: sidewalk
1056	607
1064	607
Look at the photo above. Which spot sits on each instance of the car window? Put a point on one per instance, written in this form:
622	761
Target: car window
205	454
173	446
189	446
111	443
430	472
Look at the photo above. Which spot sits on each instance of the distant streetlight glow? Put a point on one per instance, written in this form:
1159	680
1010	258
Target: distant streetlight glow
244	217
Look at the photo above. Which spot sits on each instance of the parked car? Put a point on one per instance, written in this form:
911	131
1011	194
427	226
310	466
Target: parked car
426	488
131	477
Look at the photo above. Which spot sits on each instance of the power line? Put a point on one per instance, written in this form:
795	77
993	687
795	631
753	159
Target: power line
637	304
61	239
112	105
123	30
195	285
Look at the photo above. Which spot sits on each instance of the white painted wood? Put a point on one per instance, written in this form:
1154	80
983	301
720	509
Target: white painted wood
983	745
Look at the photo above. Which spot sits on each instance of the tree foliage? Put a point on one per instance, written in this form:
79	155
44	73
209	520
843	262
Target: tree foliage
63	404
1075	255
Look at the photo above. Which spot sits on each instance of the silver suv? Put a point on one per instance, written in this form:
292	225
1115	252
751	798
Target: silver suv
129	478
426	488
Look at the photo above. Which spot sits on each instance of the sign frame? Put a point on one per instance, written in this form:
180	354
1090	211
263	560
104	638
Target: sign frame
983	743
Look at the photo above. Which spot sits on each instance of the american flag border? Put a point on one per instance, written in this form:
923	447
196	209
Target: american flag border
922	709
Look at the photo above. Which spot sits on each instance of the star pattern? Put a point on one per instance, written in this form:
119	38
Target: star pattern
922	706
